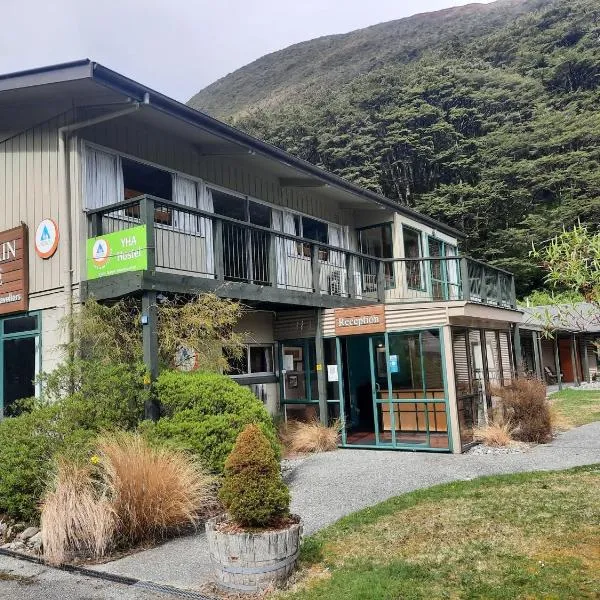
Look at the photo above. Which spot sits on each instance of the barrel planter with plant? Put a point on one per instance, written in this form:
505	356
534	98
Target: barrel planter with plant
253	547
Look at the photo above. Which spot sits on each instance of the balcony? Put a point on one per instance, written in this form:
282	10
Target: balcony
191	249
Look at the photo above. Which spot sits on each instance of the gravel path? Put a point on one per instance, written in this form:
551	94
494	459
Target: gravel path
328	486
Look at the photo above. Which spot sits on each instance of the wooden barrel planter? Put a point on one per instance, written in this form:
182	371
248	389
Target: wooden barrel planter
252	562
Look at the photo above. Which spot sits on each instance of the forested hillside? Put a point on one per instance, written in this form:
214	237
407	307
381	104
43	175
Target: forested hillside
495	131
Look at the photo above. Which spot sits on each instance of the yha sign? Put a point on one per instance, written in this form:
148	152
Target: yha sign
14	270
354	321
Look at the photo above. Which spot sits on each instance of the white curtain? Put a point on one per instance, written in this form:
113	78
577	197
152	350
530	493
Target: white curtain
452	273
205	202
185	192
277	225
103	179
289	227
352	244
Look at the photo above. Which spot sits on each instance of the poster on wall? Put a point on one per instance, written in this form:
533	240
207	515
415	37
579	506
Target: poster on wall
119	252
332	373
14	270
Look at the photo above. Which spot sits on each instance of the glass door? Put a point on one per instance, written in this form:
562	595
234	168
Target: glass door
383	407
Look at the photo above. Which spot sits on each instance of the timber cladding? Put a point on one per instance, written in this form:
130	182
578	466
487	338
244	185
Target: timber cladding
366	319
14	270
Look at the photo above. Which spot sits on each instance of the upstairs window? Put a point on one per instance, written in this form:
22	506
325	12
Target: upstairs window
413	250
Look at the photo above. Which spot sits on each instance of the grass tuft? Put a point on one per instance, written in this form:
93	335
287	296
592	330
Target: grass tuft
300	437
496	435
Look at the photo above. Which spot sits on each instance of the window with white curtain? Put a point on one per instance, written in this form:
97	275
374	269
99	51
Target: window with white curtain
103	178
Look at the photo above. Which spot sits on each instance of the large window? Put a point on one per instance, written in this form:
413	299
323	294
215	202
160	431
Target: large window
311	229
413	250
257	359
377	241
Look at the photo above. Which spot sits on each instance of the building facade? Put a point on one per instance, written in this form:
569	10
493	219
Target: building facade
358	308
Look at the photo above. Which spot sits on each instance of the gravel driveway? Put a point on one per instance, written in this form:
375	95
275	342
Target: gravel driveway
324	488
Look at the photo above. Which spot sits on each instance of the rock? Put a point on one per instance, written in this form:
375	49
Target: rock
17	546
35	541
18	527
28	533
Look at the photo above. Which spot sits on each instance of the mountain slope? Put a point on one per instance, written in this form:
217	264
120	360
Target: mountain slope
337	59
496	132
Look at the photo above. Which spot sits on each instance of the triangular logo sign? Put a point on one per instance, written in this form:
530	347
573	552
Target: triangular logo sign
45	234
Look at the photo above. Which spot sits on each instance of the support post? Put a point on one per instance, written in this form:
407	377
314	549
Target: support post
586	366
539	371
316	269
464	279
574	360
513	292
150	346
381	281
485	376
518	351
450	381
218	249
320	366
557	362
350	270
483	285
147	218
273	258
96	223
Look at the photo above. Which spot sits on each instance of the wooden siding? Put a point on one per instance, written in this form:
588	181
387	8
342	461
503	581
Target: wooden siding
31	184
296	325
161	149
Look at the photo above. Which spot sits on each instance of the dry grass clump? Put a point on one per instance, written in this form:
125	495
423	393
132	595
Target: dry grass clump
497	435
129	493
153	490
525	405
313	436
77	518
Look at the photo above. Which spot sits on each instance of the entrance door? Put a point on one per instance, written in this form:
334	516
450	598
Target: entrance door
383	408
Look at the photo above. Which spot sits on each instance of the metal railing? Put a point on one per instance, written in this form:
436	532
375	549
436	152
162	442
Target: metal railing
191	241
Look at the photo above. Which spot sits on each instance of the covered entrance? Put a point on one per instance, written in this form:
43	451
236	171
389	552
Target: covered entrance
394	390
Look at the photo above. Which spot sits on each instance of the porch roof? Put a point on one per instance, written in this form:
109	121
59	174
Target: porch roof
48	91
581	317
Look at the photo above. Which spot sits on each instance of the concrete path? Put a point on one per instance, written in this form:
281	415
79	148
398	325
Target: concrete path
328	486
21	580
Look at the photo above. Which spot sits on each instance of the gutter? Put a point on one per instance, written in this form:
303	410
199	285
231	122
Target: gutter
64	136
196	118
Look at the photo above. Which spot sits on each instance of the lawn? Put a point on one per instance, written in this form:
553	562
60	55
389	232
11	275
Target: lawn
505	537
577	407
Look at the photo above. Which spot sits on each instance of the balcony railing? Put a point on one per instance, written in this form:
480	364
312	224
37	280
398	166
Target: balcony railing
194	242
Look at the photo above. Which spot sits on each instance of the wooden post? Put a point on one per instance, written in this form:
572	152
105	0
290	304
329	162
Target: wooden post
586	367
483	284
513	293
218	249
518	351
150	346
485	376
381	281
448	358
273	258
147	218
537	359
316	268
350	270
320	367
96	223
465	279
574	360
557	362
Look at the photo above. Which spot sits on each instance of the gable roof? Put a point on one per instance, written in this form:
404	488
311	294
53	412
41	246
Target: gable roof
581	317
74	77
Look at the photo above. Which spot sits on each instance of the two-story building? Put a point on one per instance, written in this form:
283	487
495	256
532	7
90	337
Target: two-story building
359	308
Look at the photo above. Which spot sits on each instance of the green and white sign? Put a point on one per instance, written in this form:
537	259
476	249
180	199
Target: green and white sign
118	252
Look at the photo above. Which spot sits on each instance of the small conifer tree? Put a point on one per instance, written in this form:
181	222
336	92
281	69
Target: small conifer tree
253	491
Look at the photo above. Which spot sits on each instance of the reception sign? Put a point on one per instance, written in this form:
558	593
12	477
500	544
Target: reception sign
14	270
119	252
354	321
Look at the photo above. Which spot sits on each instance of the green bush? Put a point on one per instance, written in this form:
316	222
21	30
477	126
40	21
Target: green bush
106	397
204	413
28	445
253	491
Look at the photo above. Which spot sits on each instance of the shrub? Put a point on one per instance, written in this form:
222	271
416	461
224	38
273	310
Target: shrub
525	405
28	444
75	517
310	437
253	491
134	493
204	413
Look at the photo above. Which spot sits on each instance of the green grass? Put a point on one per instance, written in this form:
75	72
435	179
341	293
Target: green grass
577	407
500	538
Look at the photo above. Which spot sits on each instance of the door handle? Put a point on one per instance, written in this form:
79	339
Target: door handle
377	387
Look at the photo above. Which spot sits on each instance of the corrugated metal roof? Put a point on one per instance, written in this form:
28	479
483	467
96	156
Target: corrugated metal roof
578	317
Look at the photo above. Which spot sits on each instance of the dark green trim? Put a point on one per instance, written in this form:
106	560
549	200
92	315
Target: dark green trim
255	379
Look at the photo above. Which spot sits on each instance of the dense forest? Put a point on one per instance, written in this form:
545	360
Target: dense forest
492	129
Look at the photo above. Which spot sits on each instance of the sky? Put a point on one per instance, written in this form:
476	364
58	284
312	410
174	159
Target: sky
180	46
